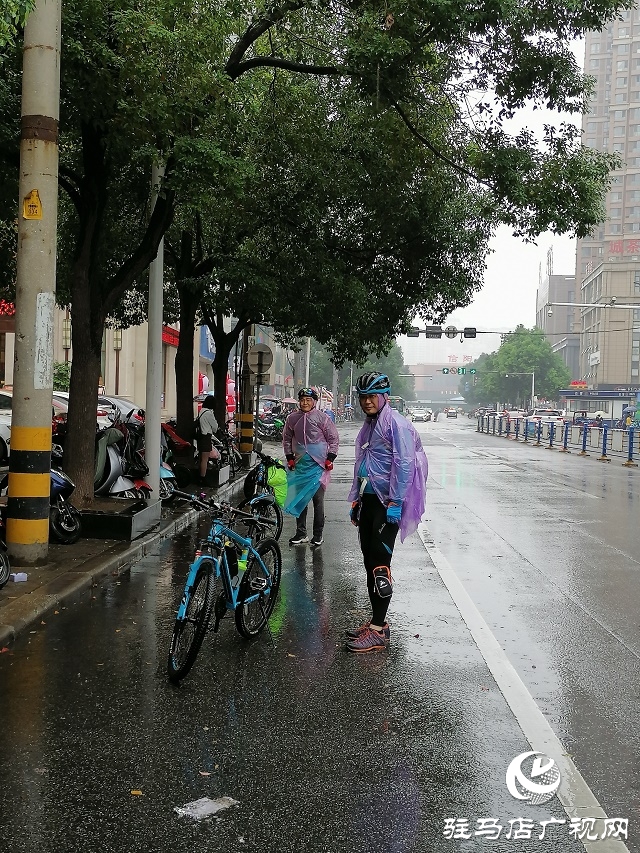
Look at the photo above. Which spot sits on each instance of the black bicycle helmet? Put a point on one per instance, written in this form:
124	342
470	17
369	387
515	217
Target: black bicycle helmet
307	392
373	383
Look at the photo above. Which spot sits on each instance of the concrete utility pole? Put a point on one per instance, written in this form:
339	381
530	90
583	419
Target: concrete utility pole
30	460
154	353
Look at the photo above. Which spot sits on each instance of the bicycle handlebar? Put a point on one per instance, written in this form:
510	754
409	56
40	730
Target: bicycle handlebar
197	501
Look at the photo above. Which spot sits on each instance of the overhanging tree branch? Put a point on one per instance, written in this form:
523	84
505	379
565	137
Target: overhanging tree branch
285	64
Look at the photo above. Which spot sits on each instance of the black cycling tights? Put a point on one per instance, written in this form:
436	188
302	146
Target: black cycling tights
377	539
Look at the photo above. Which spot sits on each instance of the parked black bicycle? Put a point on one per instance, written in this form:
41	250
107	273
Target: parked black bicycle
268	475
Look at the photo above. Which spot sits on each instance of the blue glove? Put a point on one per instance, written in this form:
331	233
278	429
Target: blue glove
354	513
393	514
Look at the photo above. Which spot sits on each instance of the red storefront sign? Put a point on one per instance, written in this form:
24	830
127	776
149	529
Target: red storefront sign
170	336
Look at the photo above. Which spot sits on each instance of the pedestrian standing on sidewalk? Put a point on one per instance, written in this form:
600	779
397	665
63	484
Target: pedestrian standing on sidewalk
310	442
388	494
208	426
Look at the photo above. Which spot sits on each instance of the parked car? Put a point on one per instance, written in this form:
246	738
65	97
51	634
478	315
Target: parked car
452	413
60	403
123	405
547	416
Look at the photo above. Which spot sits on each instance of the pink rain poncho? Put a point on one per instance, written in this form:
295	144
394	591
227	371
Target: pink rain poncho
310	436
396	465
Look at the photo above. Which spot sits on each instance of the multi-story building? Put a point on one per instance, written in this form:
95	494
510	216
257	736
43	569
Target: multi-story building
559	323
608	262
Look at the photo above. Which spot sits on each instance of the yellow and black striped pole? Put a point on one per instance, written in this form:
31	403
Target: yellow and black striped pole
29	485
30	459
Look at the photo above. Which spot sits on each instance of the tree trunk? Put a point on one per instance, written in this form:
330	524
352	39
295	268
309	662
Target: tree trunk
220	369
79	452
184	363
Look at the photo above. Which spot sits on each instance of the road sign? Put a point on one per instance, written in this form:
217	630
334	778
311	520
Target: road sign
259	358
451	332
453	370
433	332
413	332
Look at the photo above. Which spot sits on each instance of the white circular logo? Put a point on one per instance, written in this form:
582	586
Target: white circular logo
542	782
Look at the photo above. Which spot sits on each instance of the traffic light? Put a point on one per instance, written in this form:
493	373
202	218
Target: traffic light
445	370
462	370
469	332
433	331
414	332
472	371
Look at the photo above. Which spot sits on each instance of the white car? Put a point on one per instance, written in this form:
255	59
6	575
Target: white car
419	415
547	416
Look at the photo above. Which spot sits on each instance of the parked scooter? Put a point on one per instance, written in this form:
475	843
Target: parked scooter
65	521
110	479
5	567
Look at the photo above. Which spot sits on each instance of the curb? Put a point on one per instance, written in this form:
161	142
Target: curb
68	586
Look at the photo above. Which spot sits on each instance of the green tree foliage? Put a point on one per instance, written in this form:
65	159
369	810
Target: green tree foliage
321	370
505	375
61	375
13	15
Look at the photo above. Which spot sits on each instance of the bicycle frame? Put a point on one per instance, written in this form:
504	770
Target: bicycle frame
215	542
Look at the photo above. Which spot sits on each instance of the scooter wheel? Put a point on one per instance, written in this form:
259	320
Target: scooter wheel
5	568
64	526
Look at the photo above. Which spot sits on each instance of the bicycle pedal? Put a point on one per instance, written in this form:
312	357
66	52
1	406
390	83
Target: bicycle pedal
219	610
258	584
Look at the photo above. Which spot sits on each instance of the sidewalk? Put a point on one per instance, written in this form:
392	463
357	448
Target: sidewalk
73	570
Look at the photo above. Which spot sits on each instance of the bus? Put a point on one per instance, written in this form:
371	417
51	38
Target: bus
398	403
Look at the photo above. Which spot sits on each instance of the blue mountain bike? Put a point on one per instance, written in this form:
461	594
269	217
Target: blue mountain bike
230	572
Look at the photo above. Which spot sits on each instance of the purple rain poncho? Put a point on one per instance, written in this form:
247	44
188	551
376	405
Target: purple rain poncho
396	465
310	436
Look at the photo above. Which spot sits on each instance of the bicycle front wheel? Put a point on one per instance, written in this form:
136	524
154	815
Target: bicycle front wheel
188	633
267	510
258	592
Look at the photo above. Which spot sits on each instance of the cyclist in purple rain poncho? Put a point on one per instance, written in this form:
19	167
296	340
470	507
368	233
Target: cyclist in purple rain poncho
388	495
310	442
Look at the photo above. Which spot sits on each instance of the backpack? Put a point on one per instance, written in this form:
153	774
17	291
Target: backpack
197	427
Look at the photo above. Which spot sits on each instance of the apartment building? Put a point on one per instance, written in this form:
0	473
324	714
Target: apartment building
558	322
608	262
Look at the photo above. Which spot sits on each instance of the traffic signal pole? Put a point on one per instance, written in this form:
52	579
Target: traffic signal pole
30	460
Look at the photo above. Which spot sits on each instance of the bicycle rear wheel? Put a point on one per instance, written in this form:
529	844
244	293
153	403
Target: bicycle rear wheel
267	510
188	633
251	617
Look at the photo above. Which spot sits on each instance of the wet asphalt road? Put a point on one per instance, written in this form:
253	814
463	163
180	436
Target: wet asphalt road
327	752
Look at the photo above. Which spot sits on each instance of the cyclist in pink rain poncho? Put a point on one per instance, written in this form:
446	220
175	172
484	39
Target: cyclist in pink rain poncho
310	442
388	495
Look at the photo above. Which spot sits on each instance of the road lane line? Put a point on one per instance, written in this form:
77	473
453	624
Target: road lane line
578	800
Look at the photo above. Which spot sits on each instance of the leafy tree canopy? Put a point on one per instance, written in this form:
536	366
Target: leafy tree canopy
505	375
321	370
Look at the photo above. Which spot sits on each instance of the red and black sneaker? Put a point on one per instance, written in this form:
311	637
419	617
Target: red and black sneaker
370	640
352	633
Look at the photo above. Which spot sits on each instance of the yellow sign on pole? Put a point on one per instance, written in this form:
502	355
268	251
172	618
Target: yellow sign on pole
32	206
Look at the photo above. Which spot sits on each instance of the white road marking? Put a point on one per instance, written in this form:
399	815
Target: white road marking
578	800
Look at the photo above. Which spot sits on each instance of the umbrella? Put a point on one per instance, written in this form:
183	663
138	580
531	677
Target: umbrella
289	400
628	409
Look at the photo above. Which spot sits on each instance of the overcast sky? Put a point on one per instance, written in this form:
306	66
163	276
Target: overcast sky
508	296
